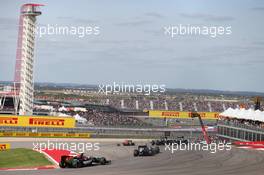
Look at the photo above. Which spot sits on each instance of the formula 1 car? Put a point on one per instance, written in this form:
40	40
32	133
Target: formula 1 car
144	150
161	141
128	143
166	141
81	161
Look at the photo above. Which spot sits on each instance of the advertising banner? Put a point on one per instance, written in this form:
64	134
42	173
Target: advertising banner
4	146
180	114
37	121
45	134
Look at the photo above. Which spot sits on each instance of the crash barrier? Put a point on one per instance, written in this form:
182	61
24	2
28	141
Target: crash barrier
94	130
37	121
183	115
111	132
45	134
4	146
144	132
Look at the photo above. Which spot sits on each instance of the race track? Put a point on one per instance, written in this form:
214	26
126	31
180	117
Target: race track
236	162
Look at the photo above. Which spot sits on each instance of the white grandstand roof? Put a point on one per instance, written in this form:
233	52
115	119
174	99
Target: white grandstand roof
249	114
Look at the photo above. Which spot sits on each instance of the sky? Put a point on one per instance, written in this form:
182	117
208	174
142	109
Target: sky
132	47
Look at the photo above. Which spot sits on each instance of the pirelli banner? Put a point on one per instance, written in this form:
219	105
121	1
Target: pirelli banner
37	121
45	134
183	115
4	146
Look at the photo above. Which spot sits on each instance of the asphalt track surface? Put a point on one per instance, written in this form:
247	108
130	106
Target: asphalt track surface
236	162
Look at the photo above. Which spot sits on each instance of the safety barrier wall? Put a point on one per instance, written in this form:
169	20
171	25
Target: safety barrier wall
104	131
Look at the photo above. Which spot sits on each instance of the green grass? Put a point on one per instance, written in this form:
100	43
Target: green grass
21	157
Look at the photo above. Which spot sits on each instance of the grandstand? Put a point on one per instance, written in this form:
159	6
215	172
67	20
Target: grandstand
241	125
175	102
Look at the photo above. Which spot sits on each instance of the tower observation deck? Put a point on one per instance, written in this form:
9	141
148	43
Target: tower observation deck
23	80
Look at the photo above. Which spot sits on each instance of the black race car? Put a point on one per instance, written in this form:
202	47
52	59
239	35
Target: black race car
81	161
161	141
144	150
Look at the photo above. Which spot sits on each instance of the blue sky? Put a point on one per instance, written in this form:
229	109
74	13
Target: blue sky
132	46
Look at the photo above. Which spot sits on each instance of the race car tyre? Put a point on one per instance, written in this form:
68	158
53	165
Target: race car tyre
152	142
62	164
136	153
157	149
150	152
79	164
75	163
102	161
